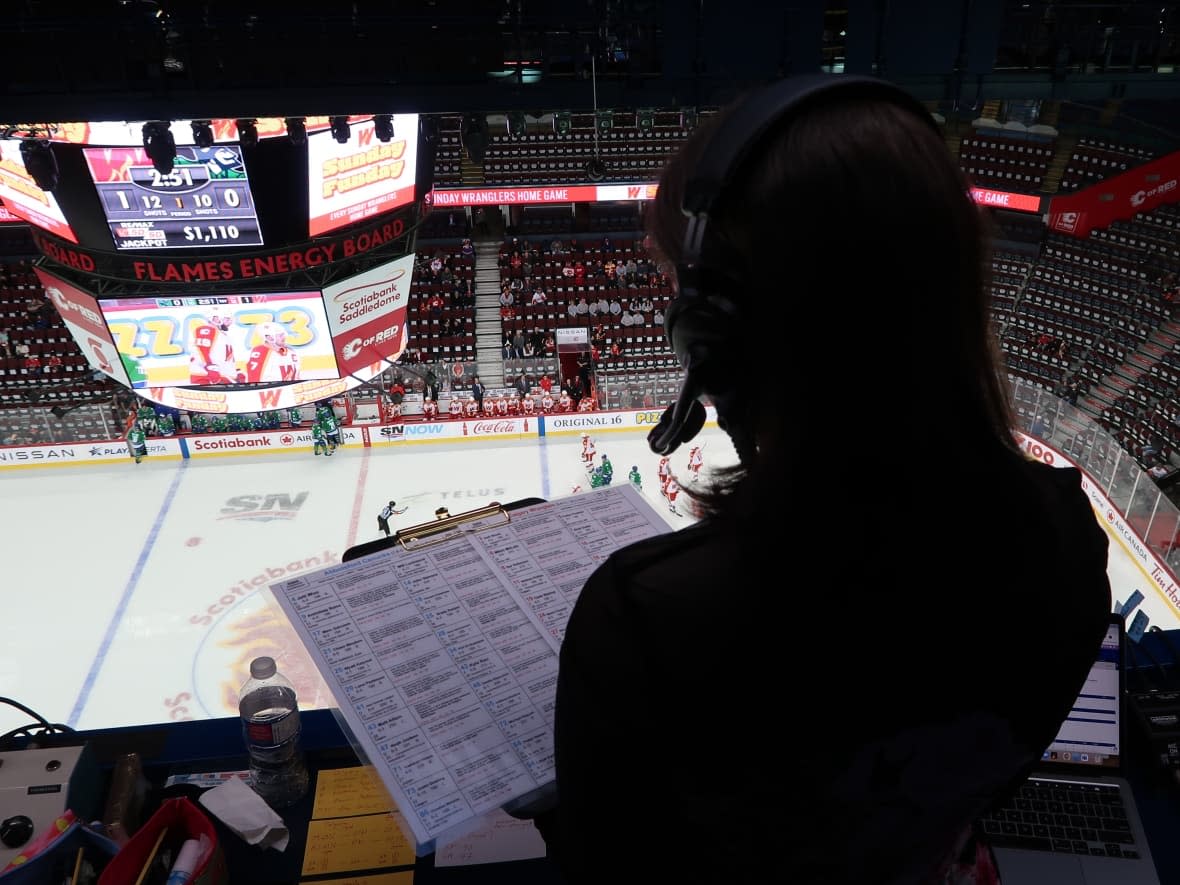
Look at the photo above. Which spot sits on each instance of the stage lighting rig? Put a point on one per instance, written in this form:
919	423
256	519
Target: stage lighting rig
40	162
297	130
203	133
160	145
383	127
247	131
341	131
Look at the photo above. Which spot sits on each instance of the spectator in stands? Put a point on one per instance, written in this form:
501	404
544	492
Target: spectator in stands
4	343
658	317
603	306
546	384
538	295
626	319
583	307
592	308
572	309
466	249
32	362
21	349
615	308
53	364
893	799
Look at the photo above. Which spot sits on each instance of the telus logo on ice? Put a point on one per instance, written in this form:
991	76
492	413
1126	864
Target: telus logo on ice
263	508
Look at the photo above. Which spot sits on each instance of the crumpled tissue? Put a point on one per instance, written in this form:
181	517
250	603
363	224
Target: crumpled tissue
237	806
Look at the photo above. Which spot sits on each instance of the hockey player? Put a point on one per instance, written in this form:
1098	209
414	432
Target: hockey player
565	403
501	406
598	479
489	407
514	404
695	460
471	408
429	409
671	490
528	406
319	439
272	359
327	420
456	408
586	404
636	479
295	416
587	450
136	442
608	469
547	403
211	355
664	472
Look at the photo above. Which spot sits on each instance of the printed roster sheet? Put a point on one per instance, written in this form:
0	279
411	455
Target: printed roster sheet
443	656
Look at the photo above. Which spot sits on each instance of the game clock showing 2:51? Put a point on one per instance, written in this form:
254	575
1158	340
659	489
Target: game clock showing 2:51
204	201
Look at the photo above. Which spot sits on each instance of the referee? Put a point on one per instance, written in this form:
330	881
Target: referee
386	512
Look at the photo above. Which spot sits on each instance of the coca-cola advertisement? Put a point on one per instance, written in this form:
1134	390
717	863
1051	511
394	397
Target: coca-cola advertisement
498	427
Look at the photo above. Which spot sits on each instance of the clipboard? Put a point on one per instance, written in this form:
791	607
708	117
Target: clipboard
417	536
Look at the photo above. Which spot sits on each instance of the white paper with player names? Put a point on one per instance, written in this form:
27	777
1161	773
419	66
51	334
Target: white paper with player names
444	658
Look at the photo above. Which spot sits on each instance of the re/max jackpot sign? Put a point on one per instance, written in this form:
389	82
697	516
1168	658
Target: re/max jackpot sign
215	270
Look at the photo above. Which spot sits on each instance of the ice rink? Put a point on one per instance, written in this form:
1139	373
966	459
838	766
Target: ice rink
138	594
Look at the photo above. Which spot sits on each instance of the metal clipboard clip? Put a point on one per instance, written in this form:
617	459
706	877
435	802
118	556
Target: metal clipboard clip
428	534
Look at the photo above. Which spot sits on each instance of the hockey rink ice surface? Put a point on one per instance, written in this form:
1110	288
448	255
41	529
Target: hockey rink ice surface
138	594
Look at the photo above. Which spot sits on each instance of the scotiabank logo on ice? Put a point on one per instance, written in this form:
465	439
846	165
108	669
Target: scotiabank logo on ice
231	442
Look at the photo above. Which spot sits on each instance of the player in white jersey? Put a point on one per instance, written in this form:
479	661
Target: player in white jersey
587	450
429	409
456	408
671	490
664	472
211	355
695	460
272	359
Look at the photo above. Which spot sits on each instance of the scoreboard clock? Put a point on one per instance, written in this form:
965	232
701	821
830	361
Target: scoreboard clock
204	201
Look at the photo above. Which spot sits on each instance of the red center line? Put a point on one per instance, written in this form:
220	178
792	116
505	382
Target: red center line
355	523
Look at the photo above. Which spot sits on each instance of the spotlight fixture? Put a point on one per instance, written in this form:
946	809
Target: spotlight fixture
474	136
561	123
340	129
516	124
297	130
203	133
40	162
160	145
595	170
382	127
605	120
247	131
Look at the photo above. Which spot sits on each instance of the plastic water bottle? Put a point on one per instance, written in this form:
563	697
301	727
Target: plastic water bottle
271	729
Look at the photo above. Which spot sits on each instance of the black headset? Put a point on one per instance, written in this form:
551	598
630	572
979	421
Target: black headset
702	322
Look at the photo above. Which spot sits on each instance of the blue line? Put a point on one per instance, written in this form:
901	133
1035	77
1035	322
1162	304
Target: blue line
544	462
541	424
183	447
128	592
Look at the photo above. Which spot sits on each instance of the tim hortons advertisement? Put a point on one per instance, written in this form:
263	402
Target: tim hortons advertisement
1141	189
80	312
367	314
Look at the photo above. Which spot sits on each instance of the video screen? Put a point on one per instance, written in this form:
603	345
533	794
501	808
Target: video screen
204	202
24	199
365	177
210	341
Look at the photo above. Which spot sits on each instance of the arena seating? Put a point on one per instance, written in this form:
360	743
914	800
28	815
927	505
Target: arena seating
1094	159
1013	162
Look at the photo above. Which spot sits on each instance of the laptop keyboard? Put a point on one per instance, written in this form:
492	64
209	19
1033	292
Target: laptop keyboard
1065	817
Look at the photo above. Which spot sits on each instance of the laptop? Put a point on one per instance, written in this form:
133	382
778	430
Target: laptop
1074	821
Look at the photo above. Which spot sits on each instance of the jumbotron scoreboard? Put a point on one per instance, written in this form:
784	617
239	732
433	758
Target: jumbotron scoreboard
204	202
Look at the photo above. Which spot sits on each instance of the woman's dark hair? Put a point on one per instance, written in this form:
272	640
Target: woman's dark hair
865	323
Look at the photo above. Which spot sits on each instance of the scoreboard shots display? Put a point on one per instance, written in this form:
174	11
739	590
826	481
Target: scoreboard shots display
204	202
267	338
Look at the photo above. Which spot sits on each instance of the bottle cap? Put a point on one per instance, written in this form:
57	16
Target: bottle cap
262	668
